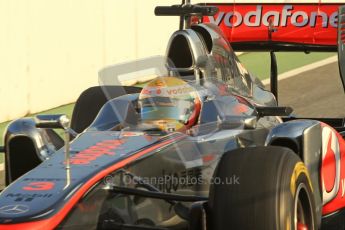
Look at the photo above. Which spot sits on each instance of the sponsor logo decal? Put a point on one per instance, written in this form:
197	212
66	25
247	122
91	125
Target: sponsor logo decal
39	186
282	18
90	154
179	180
132	134
168	91
14	209
294	23
20	197
330	170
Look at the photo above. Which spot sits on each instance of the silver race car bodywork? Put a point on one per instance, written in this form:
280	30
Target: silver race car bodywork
118	172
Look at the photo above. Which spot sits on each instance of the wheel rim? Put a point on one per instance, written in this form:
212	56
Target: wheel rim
303	215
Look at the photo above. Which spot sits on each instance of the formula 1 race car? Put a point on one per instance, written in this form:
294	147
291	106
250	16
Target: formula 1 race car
201	145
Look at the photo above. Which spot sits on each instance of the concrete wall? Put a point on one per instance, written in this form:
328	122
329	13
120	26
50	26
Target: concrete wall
51	50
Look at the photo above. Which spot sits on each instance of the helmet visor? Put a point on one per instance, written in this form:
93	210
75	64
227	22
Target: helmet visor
164	108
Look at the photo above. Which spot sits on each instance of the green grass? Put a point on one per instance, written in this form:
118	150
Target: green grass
259	63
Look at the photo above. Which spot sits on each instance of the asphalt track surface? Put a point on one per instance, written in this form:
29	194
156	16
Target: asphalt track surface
315	93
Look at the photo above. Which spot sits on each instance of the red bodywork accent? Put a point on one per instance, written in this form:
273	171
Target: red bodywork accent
301	226
339	201
208	158
314	24
328	169
53	221
195	115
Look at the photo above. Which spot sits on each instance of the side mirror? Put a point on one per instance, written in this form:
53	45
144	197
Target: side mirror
236	122
264	111
250	122
58	121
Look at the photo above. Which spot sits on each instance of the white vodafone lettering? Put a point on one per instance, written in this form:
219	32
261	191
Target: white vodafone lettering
334	20
314	16
268	16
286	13
237	20
298	14
279	18
256	14
217	20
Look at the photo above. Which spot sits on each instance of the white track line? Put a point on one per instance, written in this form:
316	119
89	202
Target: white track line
303	69
2	166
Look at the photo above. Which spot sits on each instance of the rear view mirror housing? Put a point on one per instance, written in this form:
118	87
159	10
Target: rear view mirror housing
58	121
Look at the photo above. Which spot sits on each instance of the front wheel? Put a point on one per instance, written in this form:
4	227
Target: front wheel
273	191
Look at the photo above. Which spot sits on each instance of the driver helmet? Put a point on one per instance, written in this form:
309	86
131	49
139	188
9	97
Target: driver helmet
169	103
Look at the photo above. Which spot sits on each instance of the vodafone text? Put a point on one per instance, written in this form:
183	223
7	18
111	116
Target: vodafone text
280	18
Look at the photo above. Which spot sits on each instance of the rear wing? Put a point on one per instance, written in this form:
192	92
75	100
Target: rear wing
289	26
317	26
278	26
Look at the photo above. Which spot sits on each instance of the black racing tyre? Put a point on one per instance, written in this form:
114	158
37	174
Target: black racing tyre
264	188
91	101
23	157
